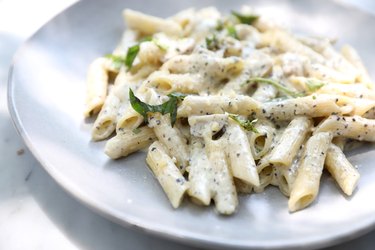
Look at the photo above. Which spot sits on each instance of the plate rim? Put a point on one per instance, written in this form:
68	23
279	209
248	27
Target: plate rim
185	237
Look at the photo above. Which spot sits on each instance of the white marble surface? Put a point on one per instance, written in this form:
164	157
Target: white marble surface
35	213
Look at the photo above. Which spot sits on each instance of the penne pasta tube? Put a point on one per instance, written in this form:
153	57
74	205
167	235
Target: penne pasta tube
171	138
199	173
149	25
168	175
291	141
166	83
313	106
215	67
150	54
354	90
265	171
97	82
306	185
354	127
345	175
242	163
129	141
221	182
105	123
352	56
205	105
286	175
285	42
261	142
129	120
326	73
264	168
224	191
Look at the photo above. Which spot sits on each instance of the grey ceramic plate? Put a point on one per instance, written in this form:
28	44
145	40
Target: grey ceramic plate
46	93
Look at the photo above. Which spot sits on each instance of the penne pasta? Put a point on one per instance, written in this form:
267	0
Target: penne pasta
171	138
231	104
306	184
291	141
97	81
242	162
168	175
345	175
128	142
354	127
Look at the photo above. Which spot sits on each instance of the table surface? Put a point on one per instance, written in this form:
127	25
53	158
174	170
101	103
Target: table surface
36	213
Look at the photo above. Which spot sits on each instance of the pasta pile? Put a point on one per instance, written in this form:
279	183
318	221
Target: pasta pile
231	104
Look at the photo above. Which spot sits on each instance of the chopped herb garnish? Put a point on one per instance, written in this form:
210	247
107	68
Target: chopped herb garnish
212	43
246	19
131	54
168	107
117	61
219	25
232	32
246	124
277	85
314	85
133	51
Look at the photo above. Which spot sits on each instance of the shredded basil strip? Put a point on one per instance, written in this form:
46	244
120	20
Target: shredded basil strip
168	107
131	54
117	61
212	43
314	85
277	85
219	25
232	32
246	124
246	19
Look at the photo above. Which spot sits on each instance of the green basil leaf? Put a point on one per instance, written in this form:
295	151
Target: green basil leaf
168	107
314	85
139	106
277	85
246	124
212	43
117	61
219	25
131	55
232	32
246	19
179	96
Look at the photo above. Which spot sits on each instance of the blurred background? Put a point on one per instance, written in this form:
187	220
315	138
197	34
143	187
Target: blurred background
35	213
